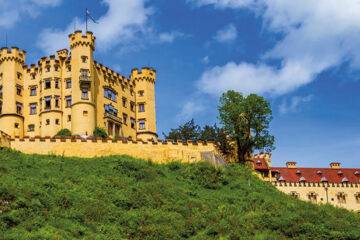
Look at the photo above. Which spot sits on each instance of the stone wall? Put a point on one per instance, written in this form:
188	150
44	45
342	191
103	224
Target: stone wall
160	152
4	140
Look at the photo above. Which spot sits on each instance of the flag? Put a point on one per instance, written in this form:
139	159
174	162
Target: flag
88	14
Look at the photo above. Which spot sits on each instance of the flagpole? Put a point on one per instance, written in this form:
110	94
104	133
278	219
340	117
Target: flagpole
86	19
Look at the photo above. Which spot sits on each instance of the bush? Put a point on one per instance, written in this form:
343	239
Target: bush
100	132
64	133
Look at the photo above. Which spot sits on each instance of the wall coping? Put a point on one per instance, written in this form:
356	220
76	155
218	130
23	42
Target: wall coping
315	184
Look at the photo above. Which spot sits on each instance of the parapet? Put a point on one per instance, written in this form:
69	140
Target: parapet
13	54
62	53
77	39
145	74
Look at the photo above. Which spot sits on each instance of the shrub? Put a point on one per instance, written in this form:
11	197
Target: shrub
100	132
64	133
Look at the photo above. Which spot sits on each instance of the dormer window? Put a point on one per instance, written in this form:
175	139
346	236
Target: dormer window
258	162
357	173
344	180
319	172
340	173
281	179
298	172
323	179
302	179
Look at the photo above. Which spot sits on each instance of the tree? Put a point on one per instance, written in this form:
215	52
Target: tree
64	133
188	131
246	122
100	132
216	134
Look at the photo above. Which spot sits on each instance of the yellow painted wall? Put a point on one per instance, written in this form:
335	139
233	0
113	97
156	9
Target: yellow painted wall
325	193
158	152
4	139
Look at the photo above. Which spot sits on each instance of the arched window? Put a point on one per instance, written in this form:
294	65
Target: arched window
294	194
312	196
341	197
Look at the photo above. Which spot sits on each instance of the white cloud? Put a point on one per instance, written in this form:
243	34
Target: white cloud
125	23
169	37
226	34
294	104
205	60
318	35
189	109
12	10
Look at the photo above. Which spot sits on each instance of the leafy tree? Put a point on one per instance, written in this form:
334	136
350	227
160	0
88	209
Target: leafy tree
188	131
64	133
216	134
100	132
246	121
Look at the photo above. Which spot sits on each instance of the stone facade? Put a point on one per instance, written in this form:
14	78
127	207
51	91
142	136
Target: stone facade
71	90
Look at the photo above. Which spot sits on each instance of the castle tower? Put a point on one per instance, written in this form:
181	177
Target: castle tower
145	103
83	88
11	91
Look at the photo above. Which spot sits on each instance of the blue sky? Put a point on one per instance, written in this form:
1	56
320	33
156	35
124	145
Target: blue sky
302	55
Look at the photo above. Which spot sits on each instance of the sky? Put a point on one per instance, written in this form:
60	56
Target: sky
303	56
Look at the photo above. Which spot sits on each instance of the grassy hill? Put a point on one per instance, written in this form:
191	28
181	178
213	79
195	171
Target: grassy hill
120	197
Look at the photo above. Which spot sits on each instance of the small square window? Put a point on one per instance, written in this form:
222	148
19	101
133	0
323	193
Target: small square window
56	68
16	125
31	128
33	76
141	93
47	121
85	113
57	121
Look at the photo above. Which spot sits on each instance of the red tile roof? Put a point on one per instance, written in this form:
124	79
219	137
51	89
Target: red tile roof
260	164
311	175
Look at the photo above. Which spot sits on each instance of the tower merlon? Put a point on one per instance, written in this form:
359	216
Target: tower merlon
77	38
12	54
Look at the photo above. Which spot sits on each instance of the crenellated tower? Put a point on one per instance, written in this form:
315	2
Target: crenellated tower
83	97
11	91
145	102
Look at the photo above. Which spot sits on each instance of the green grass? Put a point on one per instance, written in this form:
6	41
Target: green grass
120	197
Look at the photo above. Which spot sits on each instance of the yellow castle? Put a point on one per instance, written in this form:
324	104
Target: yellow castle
71	90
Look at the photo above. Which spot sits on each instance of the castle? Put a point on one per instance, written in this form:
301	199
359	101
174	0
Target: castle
71	90
335	185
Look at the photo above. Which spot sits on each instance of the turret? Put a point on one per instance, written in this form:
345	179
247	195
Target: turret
83	97
145	102
11	91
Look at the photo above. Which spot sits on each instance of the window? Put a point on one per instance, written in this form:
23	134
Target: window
19	75
68	83
33	91
57	121
85	113
16	125
84	73
47	121
33	76
1	91
341	197
312	197
0	107
18	108
69	68
57	101
132	106
110	109
84	93
69	118
124	118
83	58
56	68
141	93
142	124
68	101
141	107
56	83
33	108
18	90
31	128
124	102
132	122
47	84
294	194
47	69
357	197
109	94
47	102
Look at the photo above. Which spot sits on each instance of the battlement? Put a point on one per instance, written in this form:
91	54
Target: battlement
77	39
62	54
109	72
145	74
316	184
158	151
13	54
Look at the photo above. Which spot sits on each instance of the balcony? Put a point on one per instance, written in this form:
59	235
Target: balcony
85	80
113	117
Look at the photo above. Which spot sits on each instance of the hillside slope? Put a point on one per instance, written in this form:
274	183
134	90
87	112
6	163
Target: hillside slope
49	197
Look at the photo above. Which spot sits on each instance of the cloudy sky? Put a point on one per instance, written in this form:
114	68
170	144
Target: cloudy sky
302	55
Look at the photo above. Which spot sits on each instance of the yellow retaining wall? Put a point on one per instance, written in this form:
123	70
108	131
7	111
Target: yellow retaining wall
325	193
156	151
4	139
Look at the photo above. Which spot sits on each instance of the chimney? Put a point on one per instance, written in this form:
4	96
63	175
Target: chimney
267	158
335	165
291	165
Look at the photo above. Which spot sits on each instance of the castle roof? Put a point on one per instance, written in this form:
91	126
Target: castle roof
260	164
311	174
